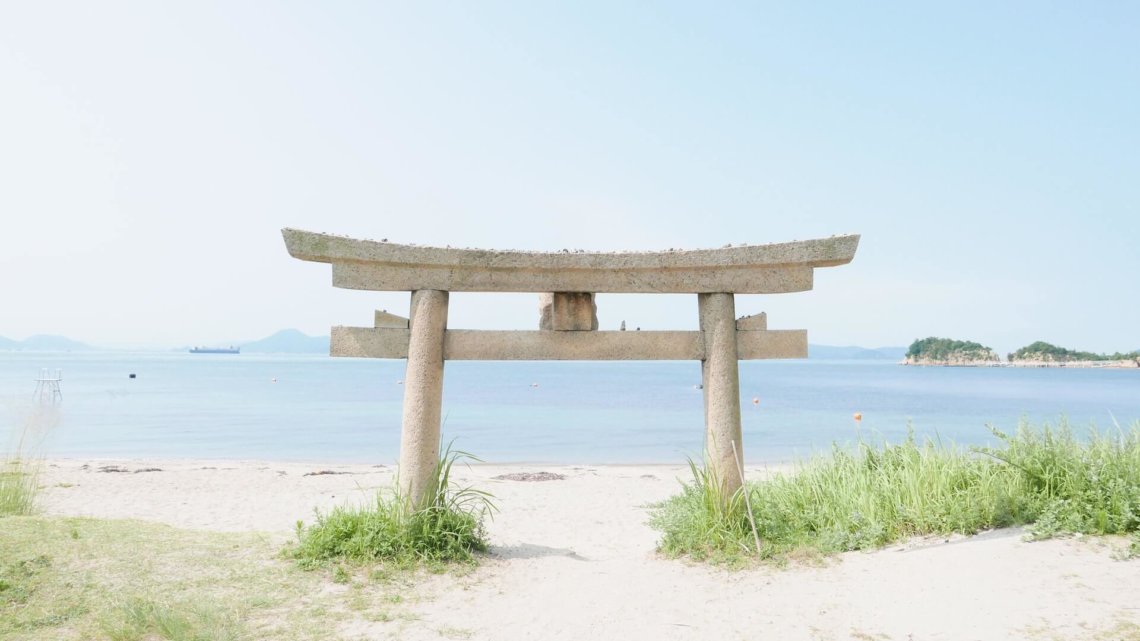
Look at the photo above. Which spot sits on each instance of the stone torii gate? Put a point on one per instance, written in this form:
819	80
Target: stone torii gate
568	327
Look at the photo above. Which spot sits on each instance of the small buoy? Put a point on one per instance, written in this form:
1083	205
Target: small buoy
534	384
274	379
858	416
399	382
755	400
131	375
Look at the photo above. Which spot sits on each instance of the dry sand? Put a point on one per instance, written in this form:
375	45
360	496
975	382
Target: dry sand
574	559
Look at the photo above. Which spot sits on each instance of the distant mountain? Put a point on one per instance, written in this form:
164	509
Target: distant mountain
853	352
289	341
44	343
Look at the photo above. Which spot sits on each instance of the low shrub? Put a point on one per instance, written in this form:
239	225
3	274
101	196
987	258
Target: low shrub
448	528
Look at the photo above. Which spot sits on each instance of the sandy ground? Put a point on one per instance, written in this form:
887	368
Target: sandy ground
574	559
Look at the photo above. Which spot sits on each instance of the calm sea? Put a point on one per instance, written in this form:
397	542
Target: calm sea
318	408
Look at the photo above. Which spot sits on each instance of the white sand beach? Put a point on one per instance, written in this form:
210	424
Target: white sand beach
574	559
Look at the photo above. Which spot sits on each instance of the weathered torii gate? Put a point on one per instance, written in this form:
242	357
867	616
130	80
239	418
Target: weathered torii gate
568	325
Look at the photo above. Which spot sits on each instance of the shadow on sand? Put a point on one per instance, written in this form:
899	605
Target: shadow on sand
532	551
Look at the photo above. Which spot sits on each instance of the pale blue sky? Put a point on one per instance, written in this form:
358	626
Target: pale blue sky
989	155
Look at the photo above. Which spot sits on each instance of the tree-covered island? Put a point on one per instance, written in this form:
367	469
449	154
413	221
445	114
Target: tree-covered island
947	351
1041	352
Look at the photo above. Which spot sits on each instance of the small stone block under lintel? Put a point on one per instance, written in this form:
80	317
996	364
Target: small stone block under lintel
567	312
753	323
385	319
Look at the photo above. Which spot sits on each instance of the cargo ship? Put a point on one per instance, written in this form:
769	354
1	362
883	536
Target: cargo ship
215	350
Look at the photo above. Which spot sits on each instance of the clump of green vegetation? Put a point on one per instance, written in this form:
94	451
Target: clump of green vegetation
19	484
447	528
949	350
20	467
1090	486
704	523
1042	351
874	495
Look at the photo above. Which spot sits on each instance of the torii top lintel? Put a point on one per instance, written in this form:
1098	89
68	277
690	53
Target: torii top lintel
744	269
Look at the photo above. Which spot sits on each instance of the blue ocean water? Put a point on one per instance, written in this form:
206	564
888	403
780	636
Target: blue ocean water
318	408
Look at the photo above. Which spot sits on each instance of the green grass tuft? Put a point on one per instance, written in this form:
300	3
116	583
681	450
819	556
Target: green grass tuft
448	528
20	465
19	485
852	500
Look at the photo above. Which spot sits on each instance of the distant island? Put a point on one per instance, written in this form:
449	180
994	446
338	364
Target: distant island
43	343
853	352
288	341
949	352
1042	354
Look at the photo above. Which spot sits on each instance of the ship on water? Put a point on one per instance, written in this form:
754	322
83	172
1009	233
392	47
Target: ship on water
215	350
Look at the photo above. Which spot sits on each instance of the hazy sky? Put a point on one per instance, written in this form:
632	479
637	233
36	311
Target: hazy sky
989	154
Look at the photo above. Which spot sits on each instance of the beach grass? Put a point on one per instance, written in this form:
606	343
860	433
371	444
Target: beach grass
447	529
64	579
20	466
874	494
19	484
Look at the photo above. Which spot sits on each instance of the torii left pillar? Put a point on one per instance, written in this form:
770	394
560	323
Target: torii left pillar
423	396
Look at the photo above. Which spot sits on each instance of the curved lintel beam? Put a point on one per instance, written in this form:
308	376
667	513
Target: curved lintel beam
745	269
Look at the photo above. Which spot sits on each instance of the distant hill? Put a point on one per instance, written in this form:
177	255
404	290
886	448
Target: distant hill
288	341
44	343
853	352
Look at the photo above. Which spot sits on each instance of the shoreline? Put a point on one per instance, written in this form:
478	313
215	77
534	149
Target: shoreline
1125	365
575	558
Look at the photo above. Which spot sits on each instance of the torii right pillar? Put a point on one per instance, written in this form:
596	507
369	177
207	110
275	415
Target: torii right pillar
720	379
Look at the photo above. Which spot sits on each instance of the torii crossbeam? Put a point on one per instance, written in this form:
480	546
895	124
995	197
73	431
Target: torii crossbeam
568	326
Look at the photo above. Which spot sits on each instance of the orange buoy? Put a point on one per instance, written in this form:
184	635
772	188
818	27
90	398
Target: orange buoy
858	416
